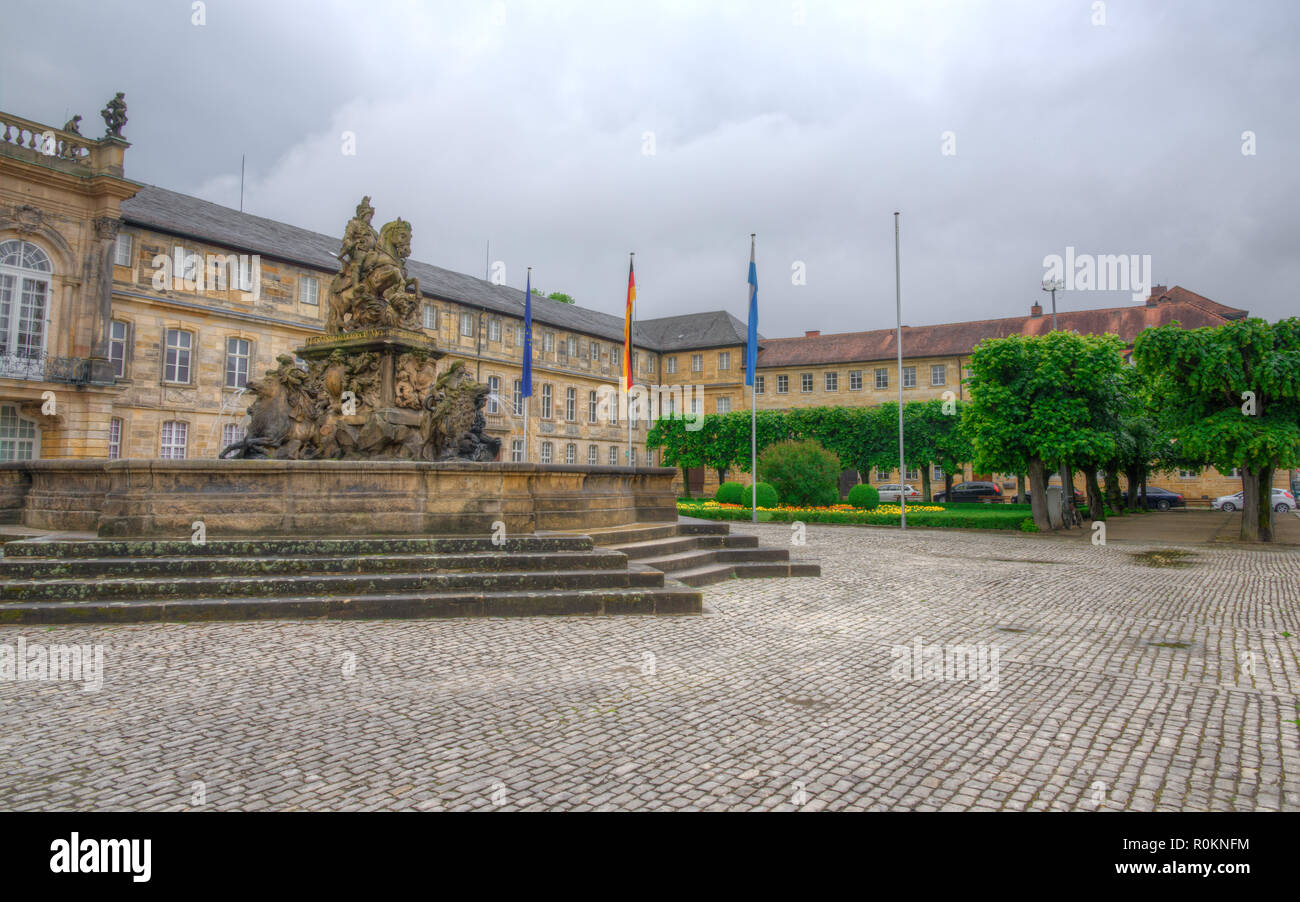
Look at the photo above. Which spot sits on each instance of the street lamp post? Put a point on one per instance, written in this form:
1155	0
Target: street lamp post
1053	285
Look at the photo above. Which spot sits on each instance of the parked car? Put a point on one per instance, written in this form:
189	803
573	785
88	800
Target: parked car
987	492
1283	502
891	492
1079	500
1159	499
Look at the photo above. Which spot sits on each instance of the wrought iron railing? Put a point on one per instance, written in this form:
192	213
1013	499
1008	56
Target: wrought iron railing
45	368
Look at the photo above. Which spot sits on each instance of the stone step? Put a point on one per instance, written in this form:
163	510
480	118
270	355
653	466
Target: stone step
720	571
280	547
622	535
669	599
74	590
660	547
208	565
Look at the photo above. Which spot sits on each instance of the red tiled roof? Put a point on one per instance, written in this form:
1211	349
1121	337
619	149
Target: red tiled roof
1177	304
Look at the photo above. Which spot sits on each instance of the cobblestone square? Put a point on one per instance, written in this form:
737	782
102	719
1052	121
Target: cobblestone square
1123	682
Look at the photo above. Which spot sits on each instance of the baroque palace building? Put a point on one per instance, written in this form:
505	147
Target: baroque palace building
133	319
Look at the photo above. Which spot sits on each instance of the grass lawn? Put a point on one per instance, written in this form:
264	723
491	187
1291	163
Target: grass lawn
960	516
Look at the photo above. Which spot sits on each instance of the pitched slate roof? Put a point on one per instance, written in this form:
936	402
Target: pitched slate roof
179	214
953	339
712	329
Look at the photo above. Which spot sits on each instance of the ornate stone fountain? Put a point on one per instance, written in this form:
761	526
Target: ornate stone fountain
370	387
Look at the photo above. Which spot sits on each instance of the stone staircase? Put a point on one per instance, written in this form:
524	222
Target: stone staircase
698	553
640	569
98	581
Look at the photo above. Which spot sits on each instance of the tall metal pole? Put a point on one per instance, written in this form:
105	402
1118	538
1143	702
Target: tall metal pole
898	300
631	371
753	422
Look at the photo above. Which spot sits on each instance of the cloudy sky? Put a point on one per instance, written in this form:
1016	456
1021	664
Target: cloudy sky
569	133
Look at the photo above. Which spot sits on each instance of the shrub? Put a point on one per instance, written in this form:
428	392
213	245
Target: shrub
802	472
731	493
864	496
767	496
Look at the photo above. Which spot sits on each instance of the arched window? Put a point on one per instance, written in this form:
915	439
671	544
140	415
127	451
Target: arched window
24	299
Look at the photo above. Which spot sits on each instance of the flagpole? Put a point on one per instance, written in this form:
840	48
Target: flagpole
631	343
753	410
526	373
898	299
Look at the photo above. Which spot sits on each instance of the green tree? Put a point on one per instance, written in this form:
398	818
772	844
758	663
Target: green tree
1230	397
1038	403
682	447
561	297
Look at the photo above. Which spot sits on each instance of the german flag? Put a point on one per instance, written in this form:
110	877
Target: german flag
627	328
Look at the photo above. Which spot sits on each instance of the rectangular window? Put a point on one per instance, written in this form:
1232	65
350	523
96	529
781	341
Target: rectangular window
546	401
724	405
882	378
613	455
516	450
650	362
1188	474
467	324
176	365
938	374
519	397
724	360
18	438
231	434
615	356
122	252
117	334
548	342
697	363
593	455
570	453
430	317
832	381
760	384
237	357
633	452
937	473
546	452
175	438
805	382
115	438
882	475
591	407
572	346
494	394
670	365
909	379
494	330
695	406
613	407
913	473
308	291
782	385
855	380
571	404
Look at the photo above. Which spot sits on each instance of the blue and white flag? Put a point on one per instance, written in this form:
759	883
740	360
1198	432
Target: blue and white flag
528	336
751	345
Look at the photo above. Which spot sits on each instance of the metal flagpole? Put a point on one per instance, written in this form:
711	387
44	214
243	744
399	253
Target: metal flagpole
898	300
753	408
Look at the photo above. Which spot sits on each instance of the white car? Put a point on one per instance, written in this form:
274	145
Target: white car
891	492
1283	502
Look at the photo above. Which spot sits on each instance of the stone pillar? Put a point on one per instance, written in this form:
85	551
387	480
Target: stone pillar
99	300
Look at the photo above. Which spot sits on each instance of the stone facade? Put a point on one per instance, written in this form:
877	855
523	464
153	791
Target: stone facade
120	303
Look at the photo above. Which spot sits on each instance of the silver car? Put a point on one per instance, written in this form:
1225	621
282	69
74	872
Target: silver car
1283	502
891	492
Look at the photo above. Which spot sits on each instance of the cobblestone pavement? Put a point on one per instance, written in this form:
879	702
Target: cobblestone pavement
1119	685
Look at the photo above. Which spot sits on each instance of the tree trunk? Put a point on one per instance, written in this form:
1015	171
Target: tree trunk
1096	507
1038	494
1112	489
1069	517
947	485
1132	476
1257	505
686	481
722	475
1020	488
1144	491
925	483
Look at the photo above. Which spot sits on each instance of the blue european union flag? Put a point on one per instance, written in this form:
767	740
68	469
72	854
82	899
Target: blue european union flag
751	345
528	337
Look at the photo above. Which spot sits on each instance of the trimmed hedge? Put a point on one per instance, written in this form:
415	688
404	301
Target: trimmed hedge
951	519
767	496
864	496
802	472
730	493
